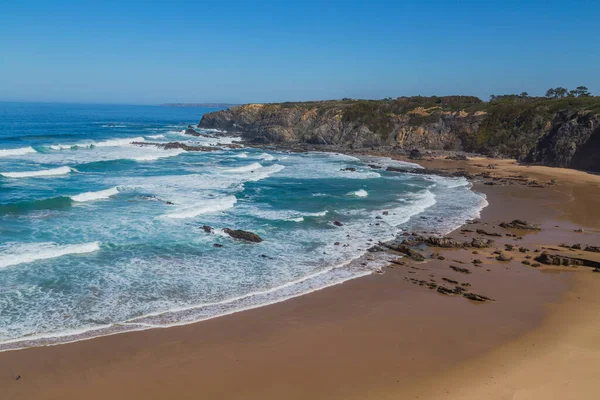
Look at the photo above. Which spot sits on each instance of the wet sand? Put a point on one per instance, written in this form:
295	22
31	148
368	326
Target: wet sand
375	337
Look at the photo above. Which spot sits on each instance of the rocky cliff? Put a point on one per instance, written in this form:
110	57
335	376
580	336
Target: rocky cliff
552	132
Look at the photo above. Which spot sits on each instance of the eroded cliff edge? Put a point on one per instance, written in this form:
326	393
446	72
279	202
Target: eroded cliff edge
555	132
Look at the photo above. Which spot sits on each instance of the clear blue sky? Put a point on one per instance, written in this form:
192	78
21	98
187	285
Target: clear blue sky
245	51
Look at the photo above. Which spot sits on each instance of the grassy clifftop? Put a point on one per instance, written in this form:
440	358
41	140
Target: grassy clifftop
512	126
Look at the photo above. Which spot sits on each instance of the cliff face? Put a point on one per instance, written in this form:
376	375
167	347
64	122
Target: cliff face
535	131
573	141
260	123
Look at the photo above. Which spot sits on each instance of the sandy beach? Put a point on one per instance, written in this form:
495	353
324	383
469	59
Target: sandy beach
380	336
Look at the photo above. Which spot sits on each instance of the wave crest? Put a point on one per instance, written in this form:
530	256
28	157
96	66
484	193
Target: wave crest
90	196
21	253
16	152
33	174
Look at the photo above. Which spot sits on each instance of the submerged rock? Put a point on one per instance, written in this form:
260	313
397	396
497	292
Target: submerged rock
243	235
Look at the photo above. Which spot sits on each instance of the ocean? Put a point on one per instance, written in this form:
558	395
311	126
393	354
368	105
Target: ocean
100	236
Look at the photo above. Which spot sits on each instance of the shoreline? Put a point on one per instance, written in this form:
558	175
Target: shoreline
353	268
373	312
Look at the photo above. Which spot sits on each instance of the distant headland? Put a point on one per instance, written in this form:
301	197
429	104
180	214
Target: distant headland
208	105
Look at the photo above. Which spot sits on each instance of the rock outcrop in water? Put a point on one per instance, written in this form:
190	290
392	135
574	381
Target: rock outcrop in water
557	132
243	235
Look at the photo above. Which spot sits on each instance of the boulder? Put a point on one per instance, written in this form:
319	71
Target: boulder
503	257
243	235
481	243
207	228
415	154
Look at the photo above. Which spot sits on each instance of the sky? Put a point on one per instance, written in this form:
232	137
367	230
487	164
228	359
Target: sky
150	52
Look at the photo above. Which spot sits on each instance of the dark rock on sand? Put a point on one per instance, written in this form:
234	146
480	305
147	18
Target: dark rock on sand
476	297
486	233
594	249
450	281
243	235
445	242
481	243
459	269
520	224
457	157
555	259
404	249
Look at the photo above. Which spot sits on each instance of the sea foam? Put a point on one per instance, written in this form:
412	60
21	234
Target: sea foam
20	253
359	193
245	168
16	152
90	196
32	174
204	207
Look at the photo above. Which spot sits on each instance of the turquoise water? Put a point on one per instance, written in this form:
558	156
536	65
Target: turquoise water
99	236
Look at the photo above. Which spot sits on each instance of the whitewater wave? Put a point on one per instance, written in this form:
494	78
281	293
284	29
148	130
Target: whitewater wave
279	215
156	156
43	172
21	253
245	168
16	152
266	157
155	136
204	207
90	145
90	196
359	193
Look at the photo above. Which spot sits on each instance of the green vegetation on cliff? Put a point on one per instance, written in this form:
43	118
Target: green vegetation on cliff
518	126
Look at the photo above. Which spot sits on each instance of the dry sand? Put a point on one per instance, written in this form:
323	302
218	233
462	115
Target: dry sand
376	337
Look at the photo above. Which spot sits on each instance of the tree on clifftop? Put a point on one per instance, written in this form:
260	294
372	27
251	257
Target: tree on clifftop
550	93
582	91
560	92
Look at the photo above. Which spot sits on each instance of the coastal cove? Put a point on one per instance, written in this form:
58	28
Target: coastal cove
405	335
118	219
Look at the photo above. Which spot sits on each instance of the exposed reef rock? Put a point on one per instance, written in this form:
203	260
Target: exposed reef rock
519	224
555	259
243	235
